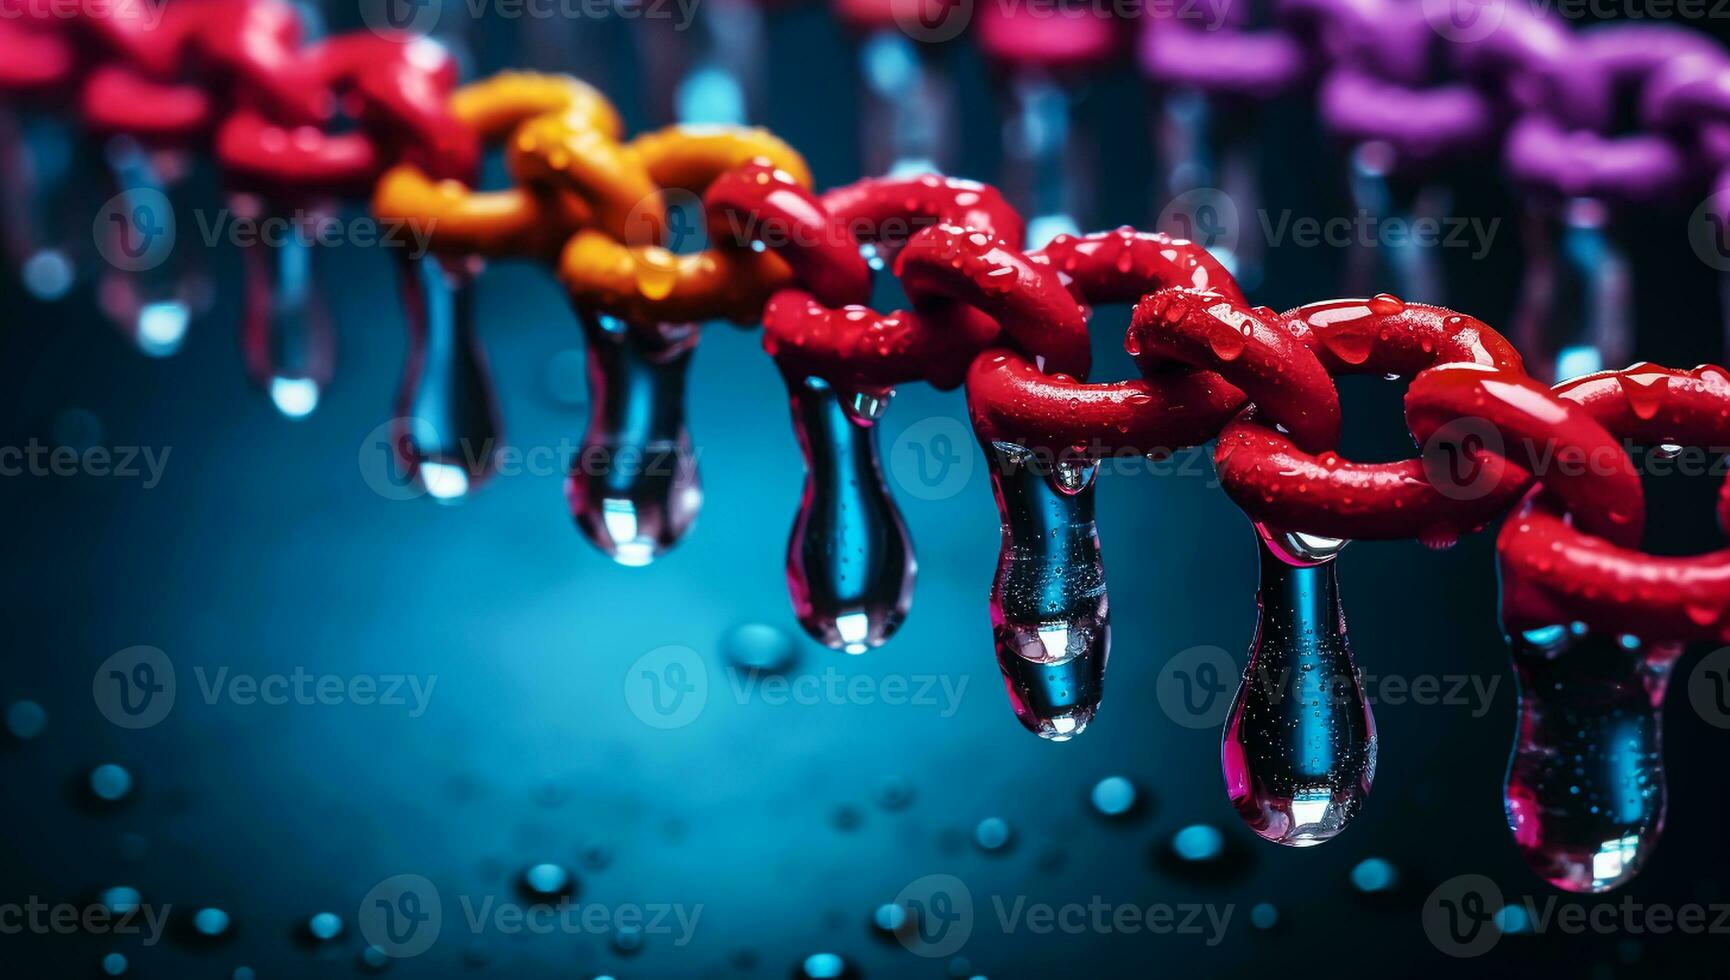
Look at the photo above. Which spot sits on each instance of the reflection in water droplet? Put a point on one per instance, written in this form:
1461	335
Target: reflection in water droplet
448	431
850	564
1585	788
1299	751
1049	609
1373	875
287	335
110	782
26	720
1113	796
992	834
759	647
633	487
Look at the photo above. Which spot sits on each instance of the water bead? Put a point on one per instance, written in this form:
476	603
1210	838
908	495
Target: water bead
1373	875
211	923
1264	916
26	720
1198	843
759	647
992	834
1299	751
1048	601
324	926
850	564
547	882
114	964
1113	796
110	783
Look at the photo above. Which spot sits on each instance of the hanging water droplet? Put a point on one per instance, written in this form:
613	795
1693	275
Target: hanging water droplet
1049	610
1299	751
633	487
866	406
1073	474
1113	796
447	416
759	647
287	335
1590	698
850	564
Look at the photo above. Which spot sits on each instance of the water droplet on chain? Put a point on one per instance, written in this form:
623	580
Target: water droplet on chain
850	564
1299	751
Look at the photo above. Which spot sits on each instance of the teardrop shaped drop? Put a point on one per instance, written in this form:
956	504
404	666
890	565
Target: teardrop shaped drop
850	564
38	181
1049	611
150	288
1299	751
1585	789
633	486
447	415
287	336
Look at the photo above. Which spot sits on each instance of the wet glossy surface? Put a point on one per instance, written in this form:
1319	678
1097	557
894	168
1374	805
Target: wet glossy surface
633	486
850	564
1299	751
448	434
1585	790
1049	611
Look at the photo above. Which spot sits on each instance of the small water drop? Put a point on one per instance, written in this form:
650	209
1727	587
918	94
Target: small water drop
992	834
110	783
1113	796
